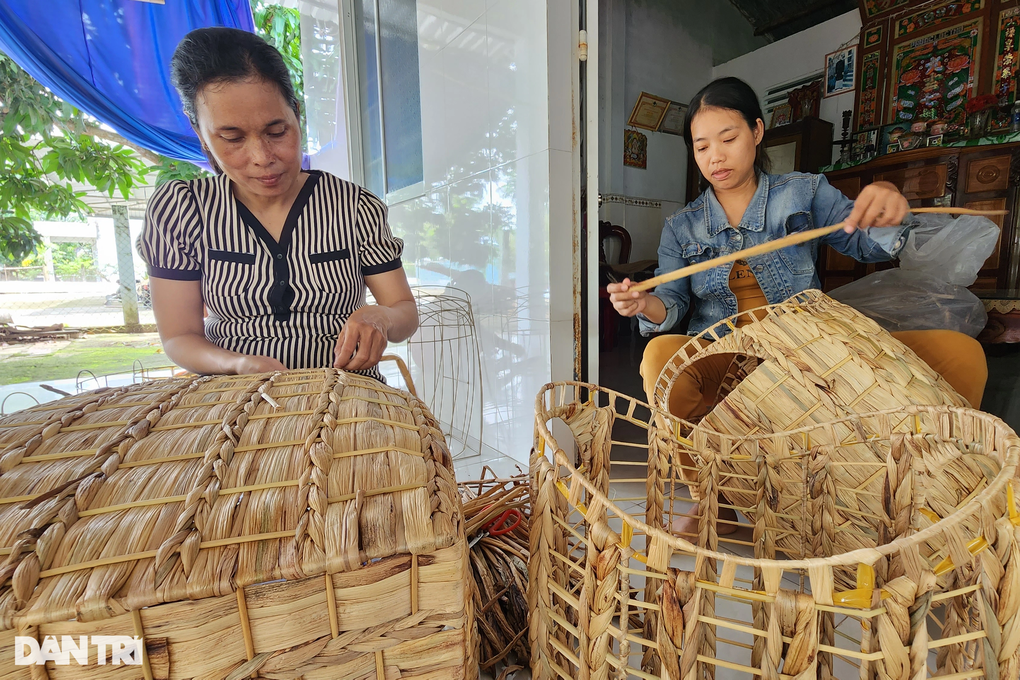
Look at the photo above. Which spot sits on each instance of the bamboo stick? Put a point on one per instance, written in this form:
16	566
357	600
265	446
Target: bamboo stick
779	244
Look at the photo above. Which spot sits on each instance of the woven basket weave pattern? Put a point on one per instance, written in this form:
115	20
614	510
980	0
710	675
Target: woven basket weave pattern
935	595
297	524
812	360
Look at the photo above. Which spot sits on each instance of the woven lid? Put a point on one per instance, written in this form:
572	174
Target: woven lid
189	488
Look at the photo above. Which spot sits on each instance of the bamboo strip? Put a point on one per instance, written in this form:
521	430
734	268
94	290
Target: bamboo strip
334	623
42	457
852	653
956	639
242	613
635	672
148	554
136	620
414	584
240	489
729	664
23	424
254	416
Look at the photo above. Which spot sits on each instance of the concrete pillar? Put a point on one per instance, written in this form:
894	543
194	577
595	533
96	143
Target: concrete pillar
48	274
125	265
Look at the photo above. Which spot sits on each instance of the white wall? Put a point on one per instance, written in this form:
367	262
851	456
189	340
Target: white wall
796	56
666	48
496	128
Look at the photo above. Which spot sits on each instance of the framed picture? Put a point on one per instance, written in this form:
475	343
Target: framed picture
673	121
840	71
781	115
935	140
911	140
865	145
806	100
891	135
783	157
648	112
936	73
635	149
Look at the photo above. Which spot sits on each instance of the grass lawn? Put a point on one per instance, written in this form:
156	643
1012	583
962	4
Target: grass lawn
101	354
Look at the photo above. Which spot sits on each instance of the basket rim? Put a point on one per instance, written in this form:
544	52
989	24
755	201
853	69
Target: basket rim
867	556
670	374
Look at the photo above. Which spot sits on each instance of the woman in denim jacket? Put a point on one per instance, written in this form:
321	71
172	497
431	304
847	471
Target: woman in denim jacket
743	207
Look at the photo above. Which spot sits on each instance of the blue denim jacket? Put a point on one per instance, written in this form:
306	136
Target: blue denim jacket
783	204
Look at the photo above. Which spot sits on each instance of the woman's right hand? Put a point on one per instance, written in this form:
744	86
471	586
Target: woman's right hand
248	364
625	301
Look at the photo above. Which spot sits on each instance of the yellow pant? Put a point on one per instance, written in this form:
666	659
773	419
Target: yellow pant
956	357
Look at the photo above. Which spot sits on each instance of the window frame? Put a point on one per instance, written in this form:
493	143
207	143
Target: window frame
353	100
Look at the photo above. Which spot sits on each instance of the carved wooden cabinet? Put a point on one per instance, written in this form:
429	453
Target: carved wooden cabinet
980	177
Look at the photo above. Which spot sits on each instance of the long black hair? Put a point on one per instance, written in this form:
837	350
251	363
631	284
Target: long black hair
736	95
221	55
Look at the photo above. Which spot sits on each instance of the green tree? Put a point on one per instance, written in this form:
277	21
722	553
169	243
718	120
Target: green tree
46	144
281	28
74	261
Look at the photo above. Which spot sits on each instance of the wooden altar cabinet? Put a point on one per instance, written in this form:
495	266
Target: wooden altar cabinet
980	177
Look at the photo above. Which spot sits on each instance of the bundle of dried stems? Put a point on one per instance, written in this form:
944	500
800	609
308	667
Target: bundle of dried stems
499	564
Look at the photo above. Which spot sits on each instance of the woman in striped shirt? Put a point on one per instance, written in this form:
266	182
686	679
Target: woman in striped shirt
279	257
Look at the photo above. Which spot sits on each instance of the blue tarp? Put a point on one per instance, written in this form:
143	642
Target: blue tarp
111	59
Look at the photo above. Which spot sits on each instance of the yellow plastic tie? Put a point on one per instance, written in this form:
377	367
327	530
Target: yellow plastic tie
566	494
859	597
627	529
1014	516
929	514
974	547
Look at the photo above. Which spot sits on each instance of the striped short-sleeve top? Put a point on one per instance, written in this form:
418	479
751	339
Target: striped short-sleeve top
286	299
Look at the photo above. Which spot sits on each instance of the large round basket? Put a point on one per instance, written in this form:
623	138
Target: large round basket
612	594
301	524
814	361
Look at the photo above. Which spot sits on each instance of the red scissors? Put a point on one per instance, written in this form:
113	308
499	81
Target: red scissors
504	524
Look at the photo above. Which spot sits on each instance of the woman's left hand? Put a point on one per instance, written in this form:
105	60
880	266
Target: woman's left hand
879	205
363	339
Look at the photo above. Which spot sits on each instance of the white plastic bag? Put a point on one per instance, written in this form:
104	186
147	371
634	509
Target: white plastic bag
941	258
905	300
952	250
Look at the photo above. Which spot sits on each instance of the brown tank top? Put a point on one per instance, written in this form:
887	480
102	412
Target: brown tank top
745	286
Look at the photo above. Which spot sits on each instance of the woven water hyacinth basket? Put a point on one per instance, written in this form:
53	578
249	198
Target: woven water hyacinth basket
812	360
614	595
303	524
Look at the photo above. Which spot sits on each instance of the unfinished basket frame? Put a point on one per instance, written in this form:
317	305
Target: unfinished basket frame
256	562
603	605
813	360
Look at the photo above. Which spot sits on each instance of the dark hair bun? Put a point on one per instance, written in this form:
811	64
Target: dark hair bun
217	55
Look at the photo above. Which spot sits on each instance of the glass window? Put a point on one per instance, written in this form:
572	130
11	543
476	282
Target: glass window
390	101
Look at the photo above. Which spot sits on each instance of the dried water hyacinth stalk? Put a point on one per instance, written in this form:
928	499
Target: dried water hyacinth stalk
499	565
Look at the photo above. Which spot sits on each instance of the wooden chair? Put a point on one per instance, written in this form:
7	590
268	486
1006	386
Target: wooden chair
614	272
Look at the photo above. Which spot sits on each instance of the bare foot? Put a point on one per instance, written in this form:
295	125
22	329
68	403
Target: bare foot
686	526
